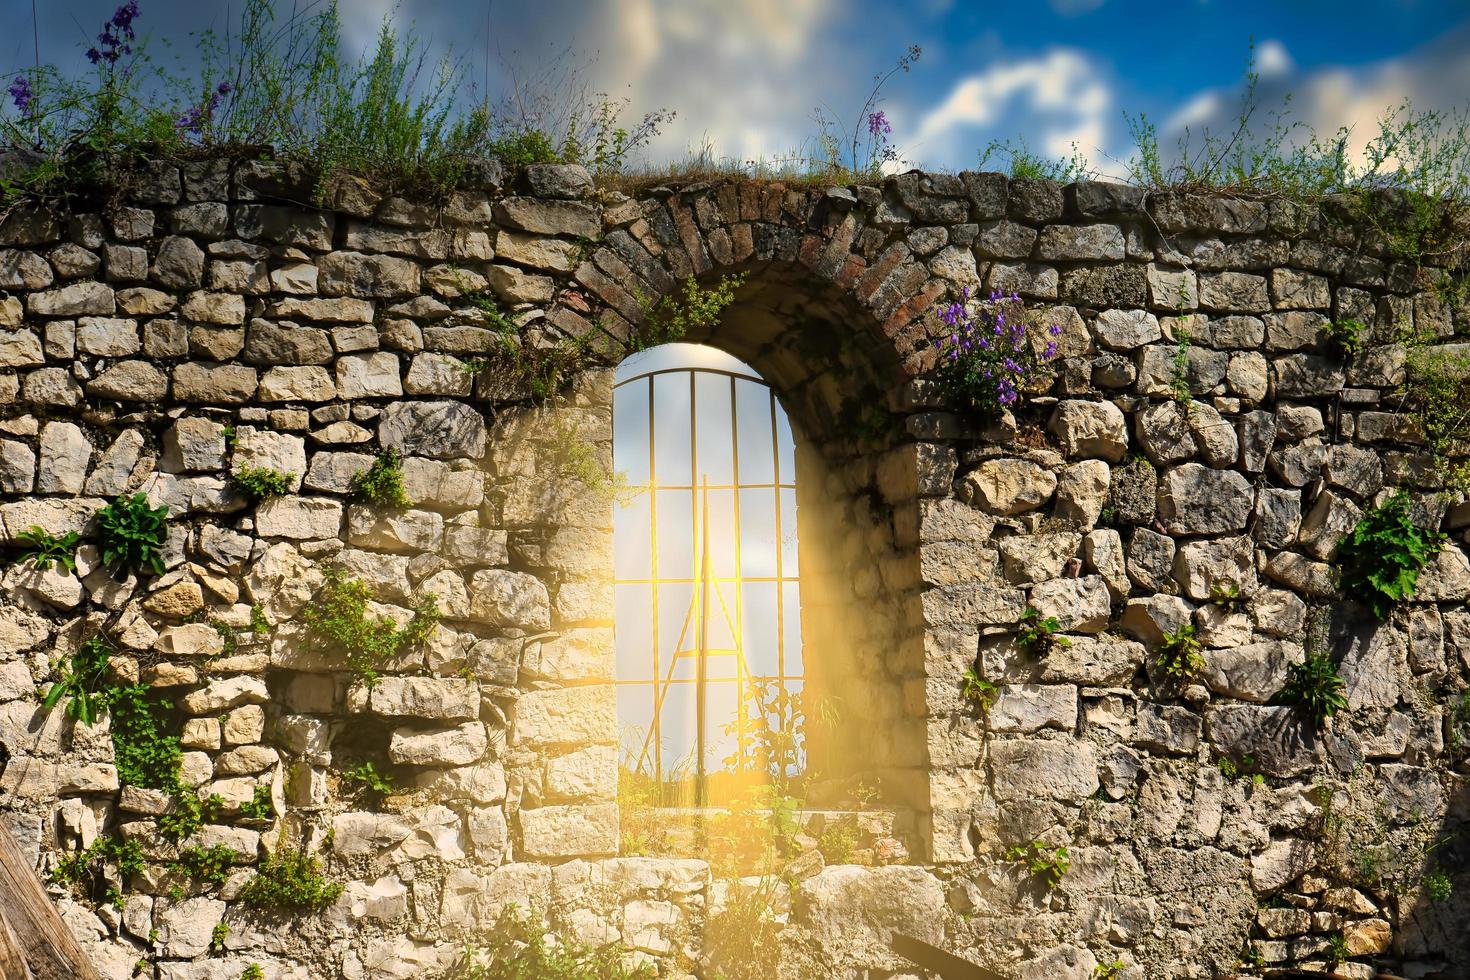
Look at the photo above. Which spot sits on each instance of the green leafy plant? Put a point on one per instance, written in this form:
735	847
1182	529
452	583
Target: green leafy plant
189	812
977	690
366	775
133	534
1314	687
382	483
252	971
1038	636
290	881
1045	864
1382	556
1246	767
82	682
206	865
338	622
217	936
1107	971
576	458
838	840
44	549
1438	886
1178	654
672	317
87	869
1436	390
1227	596
259	806
261	482
1022	163
1349	337
1337	951
1179	366
522	948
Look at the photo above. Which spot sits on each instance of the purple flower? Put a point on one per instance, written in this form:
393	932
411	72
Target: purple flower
20	91
116	33
1051	350
878	124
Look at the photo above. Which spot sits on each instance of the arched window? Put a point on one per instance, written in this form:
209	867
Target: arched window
706	580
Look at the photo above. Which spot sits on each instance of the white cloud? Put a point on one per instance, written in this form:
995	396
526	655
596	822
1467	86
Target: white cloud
1062	93
1435	76
1273	59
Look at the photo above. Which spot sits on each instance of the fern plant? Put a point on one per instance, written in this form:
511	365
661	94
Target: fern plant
1314	687
133	534
1382	556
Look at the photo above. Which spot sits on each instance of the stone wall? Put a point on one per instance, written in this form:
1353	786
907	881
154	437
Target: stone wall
216	321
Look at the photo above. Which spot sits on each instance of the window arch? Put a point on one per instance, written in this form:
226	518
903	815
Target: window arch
706	576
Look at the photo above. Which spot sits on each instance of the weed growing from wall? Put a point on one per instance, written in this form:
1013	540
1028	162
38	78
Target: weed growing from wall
1382	556
133	534
1178	654
671	318
521	948
1044	864
43	549
261	482
381	484
987	359
1314	688
289	881
1037	635
338	622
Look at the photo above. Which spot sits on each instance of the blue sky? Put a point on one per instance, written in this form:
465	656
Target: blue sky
745	75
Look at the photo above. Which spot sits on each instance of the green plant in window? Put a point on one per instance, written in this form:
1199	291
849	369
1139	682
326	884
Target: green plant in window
1178	654
1382	556
133	534
44	549
1313	687
382	483
1045	864
1037	636
261	482
82	682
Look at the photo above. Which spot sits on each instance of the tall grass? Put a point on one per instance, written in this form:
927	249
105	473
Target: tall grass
287	88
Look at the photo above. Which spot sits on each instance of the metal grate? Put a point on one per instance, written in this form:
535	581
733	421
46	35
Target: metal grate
707	582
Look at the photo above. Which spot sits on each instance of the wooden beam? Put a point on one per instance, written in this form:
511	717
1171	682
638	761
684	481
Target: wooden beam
34	943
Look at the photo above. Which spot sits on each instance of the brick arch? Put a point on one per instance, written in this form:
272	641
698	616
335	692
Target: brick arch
834	242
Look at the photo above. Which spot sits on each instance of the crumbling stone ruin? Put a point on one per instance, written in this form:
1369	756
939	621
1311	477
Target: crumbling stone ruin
1200	454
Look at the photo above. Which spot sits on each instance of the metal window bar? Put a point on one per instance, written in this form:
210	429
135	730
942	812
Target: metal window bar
660	678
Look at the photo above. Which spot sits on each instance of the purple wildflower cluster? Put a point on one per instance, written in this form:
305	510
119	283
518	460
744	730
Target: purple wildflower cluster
193	121
20	91
990	354
878	124
117	35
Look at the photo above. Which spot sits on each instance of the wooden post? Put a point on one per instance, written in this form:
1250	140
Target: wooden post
34	943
